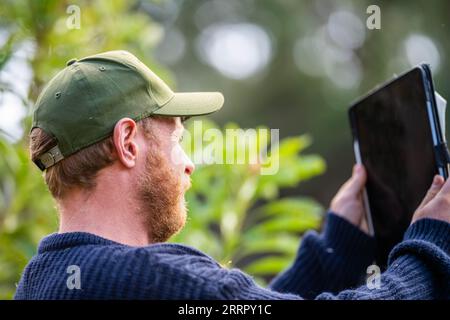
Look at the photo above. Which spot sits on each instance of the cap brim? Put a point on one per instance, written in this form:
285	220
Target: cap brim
192	104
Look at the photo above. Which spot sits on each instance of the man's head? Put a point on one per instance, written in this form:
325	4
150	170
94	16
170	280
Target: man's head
107	120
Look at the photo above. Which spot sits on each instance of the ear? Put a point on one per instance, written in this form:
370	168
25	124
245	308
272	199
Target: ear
125	142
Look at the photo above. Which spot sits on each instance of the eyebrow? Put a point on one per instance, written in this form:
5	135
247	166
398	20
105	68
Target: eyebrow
184	118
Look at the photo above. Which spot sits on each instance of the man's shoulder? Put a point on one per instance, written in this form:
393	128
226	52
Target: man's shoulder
175	255
109	270
128	264
90	248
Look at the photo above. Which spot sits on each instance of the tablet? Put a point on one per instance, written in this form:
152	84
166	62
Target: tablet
397	136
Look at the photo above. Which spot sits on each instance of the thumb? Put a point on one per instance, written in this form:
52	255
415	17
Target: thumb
436	186
358	179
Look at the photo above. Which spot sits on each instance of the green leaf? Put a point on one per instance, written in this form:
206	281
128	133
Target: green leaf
283	224
282	243
269	265
300	208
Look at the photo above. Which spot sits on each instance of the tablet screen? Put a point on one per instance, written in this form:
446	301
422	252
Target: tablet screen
396	147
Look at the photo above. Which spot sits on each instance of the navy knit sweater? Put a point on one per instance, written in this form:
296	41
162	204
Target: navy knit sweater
326	264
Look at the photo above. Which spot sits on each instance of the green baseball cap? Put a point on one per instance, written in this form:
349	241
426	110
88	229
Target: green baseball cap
82	103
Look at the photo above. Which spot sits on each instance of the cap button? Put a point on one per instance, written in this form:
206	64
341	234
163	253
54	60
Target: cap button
71	61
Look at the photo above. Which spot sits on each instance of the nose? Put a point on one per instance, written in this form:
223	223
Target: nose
189	168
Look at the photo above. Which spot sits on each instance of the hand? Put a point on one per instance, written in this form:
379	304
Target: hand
436	203
348	202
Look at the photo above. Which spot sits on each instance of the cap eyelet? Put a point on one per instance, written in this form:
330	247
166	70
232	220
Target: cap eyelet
71	61
57	95
102	68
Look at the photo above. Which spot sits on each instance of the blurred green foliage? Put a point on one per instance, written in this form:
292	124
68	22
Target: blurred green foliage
235	214
27	213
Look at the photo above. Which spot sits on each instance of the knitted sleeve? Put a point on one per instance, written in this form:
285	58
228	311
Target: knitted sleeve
332	261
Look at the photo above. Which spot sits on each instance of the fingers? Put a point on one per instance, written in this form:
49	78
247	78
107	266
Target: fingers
348	202
436	186
436	204
445	190
356	183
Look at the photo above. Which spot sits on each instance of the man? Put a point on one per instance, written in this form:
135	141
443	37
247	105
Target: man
106	132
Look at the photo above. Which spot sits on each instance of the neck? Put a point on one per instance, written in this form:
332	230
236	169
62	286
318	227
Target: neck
108	211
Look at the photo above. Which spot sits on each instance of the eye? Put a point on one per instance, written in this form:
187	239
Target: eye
181	138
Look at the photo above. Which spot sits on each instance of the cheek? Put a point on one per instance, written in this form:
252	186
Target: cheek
176	157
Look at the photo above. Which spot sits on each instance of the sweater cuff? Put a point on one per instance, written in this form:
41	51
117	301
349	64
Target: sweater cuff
430	230
426	241
347	240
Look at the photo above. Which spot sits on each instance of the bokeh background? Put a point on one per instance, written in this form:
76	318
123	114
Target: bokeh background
287	64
